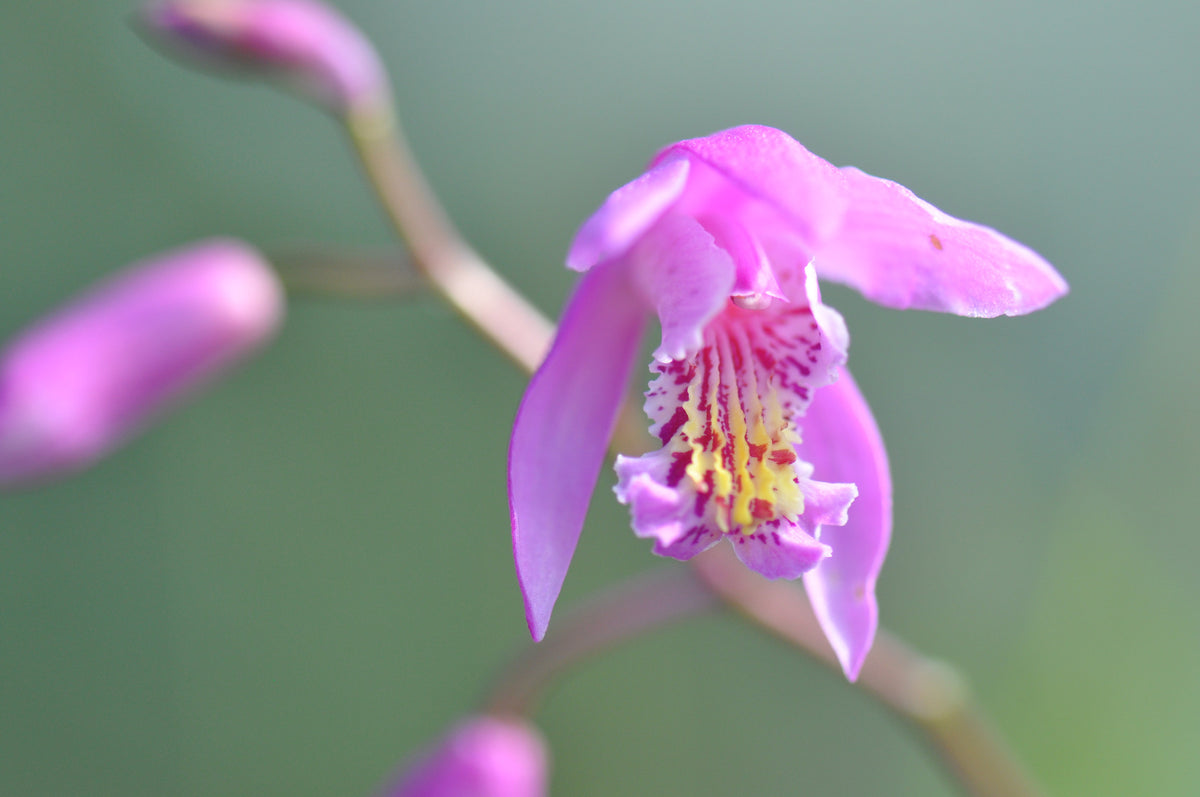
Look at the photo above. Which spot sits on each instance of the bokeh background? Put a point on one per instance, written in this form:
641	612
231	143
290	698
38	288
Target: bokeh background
302	576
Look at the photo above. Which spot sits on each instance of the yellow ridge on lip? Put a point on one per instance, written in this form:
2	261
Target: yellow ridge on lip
742	447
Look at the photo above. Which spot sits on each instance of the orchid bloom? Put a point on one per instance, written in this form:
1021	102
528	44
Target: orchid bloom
766	440
483	756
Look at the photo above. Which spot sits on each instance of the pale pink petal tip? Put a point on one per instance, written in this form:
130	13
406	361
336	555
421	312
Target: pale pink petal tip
482	757
903	252
307	44
76	384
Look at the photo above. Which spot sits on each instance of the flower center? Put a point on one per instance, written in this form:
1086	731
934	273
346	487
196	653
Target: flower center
733	433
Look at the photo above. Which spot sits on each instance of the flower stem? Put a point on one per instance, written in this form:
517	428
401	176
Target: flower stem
486	301
612	617
927	693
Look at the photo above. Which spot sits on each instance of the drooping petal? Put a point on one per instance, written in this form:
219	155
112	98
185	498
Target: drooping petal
902	252
769	165
842	442
686	277
562	430
627	214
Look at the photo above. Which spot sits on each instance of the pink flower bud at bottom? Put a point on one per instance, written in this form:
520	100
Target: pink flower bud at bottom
482	757
77	383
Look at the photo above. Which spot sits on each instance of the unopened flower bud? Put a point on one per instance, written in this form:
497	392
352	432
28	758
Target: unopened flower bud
306	44
482	757
77	383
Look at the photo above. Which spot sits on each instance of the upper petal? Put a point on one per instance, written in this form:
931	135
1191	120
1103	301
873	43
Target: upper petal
686	277
843	443
562	431
807	192
900	251
627	214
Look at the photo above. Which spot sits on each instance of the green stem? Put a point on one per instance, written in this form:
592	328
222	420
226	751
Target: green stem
929	694
605	620
484	300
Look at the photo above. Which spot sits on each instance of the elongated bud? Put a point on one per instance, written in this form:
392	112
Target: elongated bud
77	383
306	44
482	757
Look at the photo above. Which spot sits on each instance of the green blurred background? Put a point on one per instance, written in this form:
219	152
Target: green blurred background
304	575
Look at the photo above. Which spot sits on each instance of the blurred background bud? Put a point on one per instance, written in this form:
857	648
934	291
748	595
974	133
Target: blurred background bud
77	383
482	757
306	45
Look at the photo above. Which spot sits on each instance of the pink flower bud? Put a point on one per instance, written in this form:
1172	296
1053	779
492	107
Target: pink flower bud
78	382
310	46
482	757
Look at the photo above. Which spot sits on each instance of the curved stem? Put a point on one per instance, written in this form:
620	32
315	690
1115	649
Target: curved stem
614	616
925	692
487	302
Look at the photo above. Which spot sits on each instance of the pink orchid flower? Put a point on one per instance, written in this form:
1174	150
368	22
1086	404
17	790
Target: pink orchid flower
766	440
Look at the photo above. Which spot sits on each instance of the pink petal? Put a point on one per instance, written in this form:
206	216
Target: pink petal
694	540
562	430
842	442
657	510
785	551
661	513
769	165
686	277
825	504
902	252
627	214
